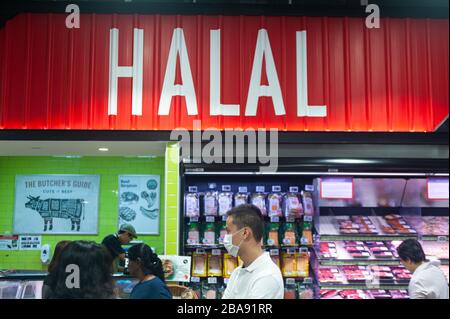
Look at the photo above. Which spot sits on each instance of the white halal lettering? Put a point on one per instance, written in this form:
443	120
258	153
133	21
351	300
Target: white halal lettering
170	89
135	71
263	54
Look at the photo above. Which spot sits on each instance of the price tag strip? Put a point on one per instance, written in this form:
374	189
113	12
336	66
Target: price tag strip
260	189
195	279
242	189
192	189
274	219
226	188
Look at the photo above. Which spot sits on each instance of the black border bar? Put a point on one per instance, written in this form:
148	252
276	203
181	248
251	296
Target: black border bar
283	137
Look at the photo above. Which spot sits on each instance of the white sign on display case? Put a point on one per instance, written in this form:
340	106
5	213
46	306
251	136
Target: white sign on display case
336	187
176	268
437	188
139	203
56	204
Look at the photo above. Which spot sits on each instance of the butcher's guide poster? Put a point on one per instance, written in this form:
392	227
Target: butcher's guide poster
56	204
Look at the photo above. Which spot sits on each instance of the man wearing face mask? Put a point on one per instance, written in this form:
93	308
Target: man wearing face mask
258	277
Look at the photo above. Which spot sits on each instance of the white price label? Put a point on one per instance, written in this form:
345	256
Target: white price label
260	189
212	185
442	239
193	219
212	280
303	250
274	219
290	220
293	189
216	252
242	189
309	188
226	188
226	280
290	250
290	281
307	218
276	188
195	279
200	251
224	218
192	189
307	280
210	219
274	252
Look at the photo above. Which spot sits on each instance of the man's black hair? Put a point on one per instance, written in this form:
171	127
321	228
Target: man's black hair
248	216
411	250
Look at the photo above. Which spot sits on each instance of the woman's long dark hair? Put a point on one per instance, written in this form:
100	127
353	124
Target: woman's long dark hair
151	264
56	254
95	265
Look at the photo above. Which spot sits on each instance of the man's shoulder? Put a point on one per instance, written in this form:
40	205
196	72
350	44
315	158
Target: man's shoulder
109	239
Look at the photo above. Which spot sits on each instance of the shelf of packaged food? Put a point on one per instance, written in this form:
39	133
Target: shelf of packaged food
190	247
359	262
267	248
365	237
284	247
389	286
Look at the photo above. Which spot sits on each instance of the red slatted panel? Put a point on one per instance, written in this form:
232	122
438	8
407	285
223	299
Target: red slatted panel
390	79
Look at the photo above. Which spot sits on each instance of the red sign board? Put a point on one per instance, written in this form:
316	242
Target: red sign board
152	72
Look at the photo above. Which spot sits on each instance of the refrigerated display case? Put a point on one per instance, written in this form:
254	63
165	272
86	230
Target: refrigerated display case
288	233
352	246
24	284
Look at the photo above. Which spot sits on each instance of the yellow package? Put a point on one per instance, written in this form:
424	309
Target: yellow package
199	265
229	264
302	264
214	265
288	265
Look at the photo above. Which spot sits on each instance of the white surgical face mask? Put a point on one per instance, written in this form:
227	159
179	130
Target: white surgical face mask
228	243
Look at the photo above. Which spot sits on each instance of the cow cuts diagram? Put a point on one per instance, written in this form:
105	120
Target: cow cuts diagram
56	204
58	208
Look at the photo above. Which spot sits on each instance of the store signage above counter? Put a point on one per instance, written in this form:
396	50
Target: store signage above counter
152	72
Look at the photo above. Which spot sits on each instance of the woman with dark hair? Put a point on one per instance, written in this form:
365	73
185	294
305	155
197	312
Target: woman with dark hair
84	272
50	280
145	265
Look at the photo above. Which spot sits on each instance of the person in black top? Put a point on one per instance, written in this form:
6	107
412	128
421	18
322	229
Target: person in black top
49	285
145	265
114	244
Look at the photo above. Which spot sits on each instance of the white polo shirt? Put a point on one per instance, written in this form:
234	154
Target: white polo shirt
428	282
260	280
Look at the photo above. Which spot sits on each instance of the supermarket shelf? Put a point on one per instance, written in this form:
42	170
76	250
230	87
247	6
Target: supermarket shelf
284	247
365	237
364	286
204	246
434	238
359	262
